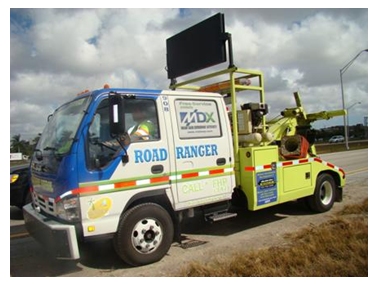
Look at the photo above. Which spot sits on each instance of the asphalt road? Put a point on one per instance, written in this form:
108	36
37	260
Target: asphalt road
249	230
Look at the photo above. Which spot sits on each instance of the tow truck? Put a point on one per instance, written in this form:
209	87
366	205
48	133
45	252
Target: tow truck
207	154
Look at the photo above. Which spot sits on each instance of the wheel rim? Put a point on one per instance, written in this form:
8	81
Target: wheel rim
147	235
326	193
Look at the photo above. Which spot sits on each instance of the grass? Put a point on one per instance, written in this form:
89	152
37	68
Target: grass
337	248
338	147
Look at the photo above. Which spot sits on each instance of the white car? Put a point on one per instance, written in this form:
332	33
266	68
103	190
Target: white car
336	139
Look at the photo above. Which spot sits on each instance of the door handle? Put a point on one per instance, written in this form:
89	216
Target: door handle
157	169
221	161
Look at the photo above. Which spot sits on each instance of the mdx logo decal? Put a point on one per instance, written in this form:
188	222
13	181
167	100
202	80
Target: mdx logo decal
197	118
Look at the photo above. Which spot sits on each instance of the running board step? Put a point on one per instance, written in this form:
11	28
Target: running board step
221	216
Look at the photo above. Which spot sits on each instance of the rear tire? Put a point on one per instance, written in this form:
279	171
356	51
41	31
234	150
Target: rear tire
145	234
324	195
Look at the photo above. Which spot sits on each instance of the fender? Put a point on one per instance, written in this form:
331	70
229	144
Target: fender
158	196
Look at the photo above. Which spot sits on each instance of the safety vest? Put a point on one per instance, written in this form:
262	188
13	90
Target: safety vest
145	129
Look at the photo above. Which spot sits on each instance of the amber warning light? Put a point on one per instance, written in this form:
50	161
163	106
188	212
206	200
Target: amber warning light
106	86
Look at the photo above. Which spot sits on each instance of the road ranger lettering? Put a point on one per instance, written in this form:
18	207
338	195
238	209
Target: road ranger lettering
150	155
194	151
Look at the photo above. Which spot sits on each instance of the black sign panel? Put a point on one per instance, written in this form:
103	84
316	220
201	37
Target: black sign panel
198	47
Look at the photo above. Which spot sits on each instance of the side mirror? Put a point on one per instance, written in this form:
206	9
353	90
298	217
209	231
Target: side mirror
116	115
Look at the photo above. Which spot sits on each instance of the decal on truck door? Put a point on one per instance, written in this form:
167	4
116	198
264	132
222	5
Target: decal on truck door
197	119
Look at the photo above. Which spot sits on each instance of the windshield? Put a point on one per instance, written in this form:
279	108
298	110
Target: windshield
62	126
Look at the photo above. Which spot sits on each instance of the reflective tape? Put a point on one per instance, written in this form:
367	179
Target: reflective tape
130	184
293	163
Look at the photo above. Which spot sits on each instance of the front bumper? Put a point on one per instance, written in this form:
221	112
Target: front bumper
57	238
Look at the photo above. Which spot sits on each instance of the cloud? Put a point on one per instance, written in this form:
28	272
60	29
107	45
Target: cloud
56	53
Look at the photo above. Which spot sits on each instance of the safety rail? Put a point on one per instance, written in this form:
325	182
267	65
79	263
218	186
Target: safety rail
224	87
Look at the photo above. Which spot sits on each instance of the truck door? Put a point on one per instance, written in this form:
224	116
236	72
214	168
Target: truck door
202	151
148	151
148	165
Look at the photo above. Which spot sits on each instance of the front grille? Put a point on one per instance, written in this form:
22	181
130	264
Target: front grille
46	204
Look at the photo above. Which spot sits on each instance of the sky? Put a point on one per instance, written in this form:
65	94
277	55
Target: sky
56	53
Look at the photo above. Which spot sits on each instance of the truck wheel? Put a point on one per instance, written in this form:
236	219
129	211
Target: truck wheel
144	235
324	194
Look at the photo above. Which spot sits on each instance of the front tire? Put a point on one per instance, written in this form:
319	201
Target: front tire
144	235
324	195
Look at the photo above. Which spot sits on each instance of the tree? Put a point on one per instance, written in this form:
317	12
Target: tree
16	145
22	146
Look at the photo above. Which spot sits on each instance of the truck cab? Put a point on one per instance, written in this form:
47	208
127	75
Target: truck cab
83	185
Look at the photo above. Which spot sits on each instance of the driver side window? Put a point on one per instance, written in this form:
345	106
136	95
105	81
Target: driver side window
142	126
99	154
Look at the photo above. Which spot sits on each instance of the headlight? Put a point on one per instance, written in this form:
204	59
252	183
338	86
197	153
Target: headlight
68	209
13	178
